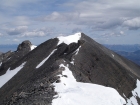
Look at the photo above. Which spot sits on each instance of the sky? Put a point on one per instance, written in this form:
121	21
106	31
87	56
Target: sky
106	21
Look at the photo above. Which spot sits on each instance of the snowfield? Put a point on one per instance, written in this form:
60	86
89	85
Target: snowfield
69	39
71	92
0	63
9	74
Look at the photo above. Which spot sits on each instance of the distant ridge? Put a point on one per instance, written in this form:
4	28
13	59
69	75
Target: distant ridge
133	56
127	48
6	48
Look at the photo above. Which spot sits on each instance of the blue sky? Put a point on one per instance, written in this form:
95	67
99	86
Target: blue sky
106	21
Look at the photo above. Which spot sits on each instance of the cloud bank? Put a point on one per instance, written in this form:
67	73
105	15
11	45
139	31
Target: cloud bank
99	19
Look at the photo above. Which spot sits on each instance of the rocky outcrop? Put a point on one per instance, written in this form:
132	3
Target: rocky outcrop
89	62
25	45
10	58
5	56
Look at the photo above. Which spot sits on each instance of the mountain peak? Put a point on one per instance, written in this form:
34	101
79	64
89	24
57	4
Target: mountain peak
26	45
70	70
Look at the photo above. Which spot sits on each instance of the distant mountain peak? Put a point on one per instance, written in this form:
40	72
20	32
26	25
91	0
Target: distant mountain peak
26	45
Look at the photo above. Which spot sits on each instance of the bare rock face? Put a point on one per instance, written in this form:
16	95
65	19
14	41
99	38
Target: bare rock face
89	62
9	58
104	67
4	56
25	45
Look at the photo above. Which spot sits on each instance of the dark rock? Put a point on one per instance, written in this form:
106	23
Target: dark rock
24	45
65	76
5	56
58	81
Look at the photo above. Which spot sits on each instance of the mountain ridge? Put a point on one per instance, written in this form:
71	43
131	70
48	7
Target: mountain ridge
89	62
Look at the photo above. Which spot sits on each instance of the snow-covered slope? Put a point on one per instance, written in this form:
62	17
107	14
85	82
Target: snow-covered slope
69	89
9	74
136	93
71	92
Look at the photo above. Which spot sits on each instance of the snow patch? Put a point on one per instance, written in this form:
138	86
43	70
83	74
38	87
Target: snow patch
72	62
132	101
8	58
136	93
32	47
78	50
0	63
9	74
71	92
112	55
69	39
41	63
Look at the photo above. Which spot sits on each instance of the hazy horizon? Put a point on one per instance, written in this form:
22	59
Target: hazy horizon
132	47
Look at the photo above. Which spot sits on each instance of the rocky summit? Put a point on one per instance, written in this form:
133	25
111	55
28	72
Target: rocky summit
68	70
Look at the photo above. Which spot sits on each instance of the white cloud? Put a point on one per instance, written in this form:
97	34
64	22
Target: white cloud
46	29
100	15
21	20
18	30
121	32
33	33
56	16
93	17
1	34
14	3
16	40
105	14
38	32
112	34
132	23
